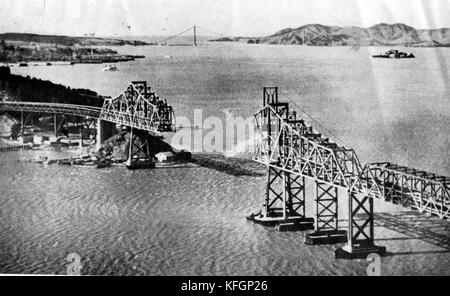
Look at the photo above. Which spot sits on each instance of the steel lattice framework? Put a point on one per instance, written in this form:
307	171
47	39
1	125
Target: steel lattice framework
426	192
51	108
285	143
137	107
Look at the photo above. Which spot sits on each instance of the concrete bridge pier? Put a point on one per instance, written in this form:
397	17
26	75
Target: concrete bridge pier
141	150
105	130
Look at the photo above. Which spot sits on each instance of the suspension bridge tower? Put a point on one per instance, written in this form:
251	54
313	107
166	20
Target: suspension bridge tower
191	29
195	36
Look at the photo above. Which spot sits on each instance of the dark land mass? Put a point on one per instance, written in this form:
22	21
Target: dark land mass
377	35
19	88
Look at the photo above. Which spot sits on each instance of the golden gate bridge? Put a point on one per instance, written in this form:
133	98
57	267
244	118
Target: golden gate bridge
191	31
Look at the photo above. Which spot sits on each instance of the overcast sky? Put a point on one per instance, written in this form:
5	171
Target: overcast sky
228	17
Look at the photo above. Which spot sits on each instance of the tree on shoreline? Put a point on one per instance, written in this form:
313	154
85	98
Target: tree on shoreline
29	89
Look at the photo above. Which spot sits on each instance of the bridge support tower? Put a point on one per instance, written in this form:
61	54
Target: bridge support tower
360	229
326	227
140	152
105	130
284	206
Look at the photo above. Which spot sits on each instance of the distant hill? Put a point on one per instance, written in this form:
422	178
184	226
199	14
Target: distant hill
67	40
380	34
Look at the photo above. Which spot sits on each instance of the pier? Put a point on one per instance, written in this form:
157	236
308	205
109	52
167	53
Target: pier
15	148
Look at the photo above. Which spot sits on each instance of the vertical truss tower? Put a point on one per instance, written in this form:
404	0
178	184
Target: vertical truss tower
284	202
292	150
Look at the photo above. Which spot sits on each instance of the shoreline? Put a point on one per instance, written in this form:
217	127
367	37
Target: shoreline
96	60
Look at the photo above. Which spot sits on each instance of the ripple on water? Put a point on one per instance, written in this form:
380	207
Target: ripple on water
154	222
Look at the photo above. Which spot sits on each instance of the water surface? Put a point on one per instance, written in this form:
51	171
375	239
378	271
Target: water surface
190	221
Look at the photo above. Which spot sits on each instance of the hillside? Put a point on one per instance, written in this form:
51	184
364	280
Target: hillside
19	88
380	34
66	40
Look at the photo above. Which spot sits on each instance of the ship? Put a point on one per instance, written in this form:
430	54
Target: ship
394	53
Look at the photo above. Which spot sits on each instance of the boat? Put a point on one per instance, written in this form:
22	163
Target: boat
394	53
23	65
139	164
110	68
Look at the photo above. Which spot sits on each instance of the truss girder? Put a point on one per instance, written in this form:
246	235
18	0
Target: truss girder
288	144
425	192
294	149
51	108
137	106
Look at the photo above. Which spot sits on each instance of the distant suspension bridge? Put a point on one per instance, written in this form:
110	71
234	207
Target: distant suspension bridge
191	30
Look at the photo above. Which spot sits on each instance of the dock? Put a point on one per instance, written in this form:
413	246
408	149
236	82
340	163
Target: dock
15	148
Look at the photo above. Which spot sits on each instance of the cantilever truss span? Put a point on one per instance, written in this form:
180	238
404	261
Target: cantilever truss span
137	106
287	144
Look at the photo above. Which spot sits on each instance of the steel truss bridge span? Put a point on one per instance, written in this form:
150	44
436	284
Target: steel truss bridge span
51	108
293	151
409	187
138	106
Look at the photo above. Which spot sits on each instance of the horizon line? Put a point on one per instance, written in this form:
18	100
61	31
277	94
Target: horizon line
85	35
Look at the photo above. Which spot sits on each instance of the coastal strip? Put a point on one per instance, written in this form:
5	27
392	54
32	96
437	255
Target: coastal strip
15	148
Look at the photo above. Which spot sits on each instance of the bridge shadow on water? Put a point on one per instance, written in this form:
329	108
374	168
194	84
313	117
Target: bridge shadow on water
415	226
418	226
229	165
